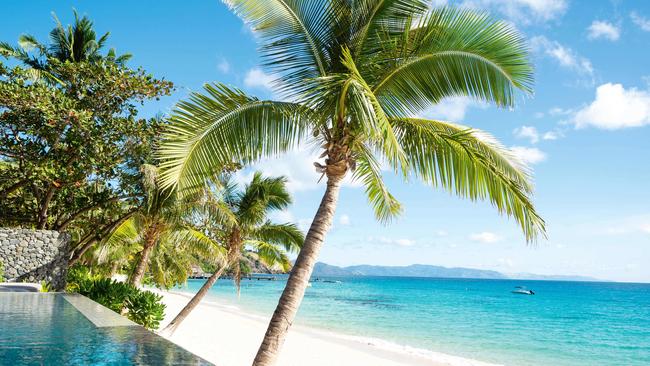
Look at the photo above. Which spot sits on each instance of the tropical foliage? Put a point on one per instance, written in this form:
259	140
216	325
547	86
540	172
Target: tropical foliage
142	307
245	230
71	142
355	78
160	235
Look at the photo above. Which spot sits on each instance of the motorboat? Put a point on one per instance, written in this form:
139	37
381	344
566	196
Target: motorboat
520	290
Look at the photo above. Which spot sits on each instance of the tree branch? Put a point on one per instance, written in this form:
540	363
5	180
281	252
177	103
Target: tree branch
91	239
63	225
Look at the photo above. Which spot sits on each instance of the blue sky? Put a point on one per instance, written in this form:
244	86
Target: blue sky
586	133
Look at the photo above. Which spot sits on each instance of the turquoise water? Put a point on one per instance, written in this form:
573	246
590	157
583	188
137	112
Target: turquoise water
565	323
44	329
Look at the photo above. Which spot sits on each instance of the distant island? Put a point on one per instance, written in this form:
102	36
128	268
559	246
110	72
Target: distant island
425	270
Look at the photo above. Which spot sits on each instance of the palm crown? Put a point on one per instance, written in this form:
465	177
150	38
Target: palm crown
75	43
356	77
244	229
250	230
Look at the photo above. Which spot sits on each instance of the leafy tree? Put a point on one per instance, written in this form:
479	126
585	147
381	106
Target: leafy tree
71	141
354	77
246	231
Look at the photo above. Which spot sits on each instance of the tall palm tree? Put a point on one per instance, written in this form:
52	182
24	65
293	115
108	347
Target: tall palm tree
251	230
355	76
75	43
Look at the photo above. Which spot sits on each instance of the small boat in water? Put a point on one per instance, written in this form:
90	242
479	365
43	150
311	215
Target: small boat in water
520	290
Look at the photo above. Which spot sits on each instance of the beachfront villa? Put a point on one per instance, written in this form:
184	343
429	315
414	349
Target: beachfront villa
324	182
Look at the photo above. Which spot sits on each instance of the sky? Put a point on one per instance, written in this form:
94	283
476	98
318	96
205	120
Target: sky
585	132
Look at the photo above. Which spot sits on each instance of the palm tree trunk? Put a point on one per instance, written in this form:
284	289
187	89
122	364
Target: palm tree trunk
294	291
171	327
140	268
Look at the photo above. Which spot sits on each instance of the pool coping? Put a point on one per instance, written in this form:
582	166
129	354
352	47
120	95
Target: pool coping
96	313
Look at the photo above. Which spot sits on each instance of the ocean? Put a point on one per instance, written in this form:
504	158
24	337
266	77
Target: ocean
564	323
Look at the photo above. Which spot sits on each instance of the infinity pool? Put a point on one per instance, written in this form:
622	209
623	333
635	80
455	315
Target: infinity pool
67	329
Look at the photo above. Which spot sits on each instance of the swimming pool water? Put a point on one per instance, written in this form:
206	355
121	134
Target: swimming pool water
45	329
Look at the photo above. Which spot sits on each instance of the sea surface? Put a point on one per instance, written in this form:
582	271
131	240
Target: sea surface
564	323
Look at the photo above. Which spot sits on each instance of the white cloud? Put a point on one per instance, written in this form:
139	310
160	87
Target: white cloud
344	220
403	242
485	237
626	225
256	78
223	66
640	21
615	107
450	109
602	29
557	111
551	135
533	135
529	155
523	11
565	56
527	132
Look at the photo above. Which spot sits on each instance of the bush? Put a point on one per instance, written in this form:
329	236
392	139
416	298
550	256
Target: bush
142	307
2	272
146	308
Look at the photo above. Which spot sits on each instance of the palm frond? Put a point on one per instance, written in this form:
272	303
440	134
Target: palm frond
373	18
368	171
286	235
295	35
365	108
222	126
271	255
451	52
471	164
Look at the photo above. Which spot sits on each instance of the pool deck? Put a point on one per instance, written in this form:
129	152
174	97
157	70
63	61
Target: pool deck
98	314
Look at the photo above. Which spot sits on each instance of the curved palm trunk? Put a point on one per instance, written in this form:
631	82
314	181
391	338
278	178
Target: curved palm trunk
171	327
294	291
141	267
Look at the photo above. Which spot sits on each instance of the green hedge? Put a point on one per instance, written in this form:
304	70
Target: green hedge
142	307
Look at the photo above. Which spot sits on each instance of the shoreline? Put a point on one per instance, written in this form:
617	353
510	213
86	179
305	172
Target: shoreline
228	336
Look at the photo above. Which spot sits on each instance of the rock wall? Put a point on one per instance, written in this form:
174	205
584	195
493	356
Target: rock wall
34	256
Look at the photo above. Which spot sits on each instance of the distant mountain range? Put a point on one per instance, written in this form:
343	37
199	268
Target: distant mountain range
424	270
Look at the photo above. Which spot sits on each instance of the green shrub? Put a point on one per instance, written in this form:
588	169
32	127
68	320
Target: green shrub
146	308
2	272
142	307
45	286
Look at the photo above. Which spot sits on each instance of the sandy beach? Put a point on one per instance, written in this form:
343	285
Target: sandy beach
227	336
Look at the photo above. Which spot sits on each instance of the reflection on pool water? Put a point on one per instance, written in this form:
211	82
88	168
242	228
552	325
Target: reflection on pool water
45	329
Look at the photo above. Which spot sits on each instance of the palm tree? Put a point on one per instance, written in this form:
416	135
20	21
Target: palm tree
250	231
75	43
355	77
162	224
171	261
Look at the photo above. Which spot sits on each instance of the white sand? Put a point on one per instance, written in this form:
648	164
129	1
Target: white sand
226	336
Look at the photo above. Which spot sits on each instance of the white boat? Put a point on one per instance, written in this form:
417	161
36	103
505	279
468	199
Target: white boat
520	290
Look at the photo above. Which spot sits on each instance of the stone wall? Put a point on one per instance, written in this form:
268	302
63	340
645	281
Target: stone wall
34	256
